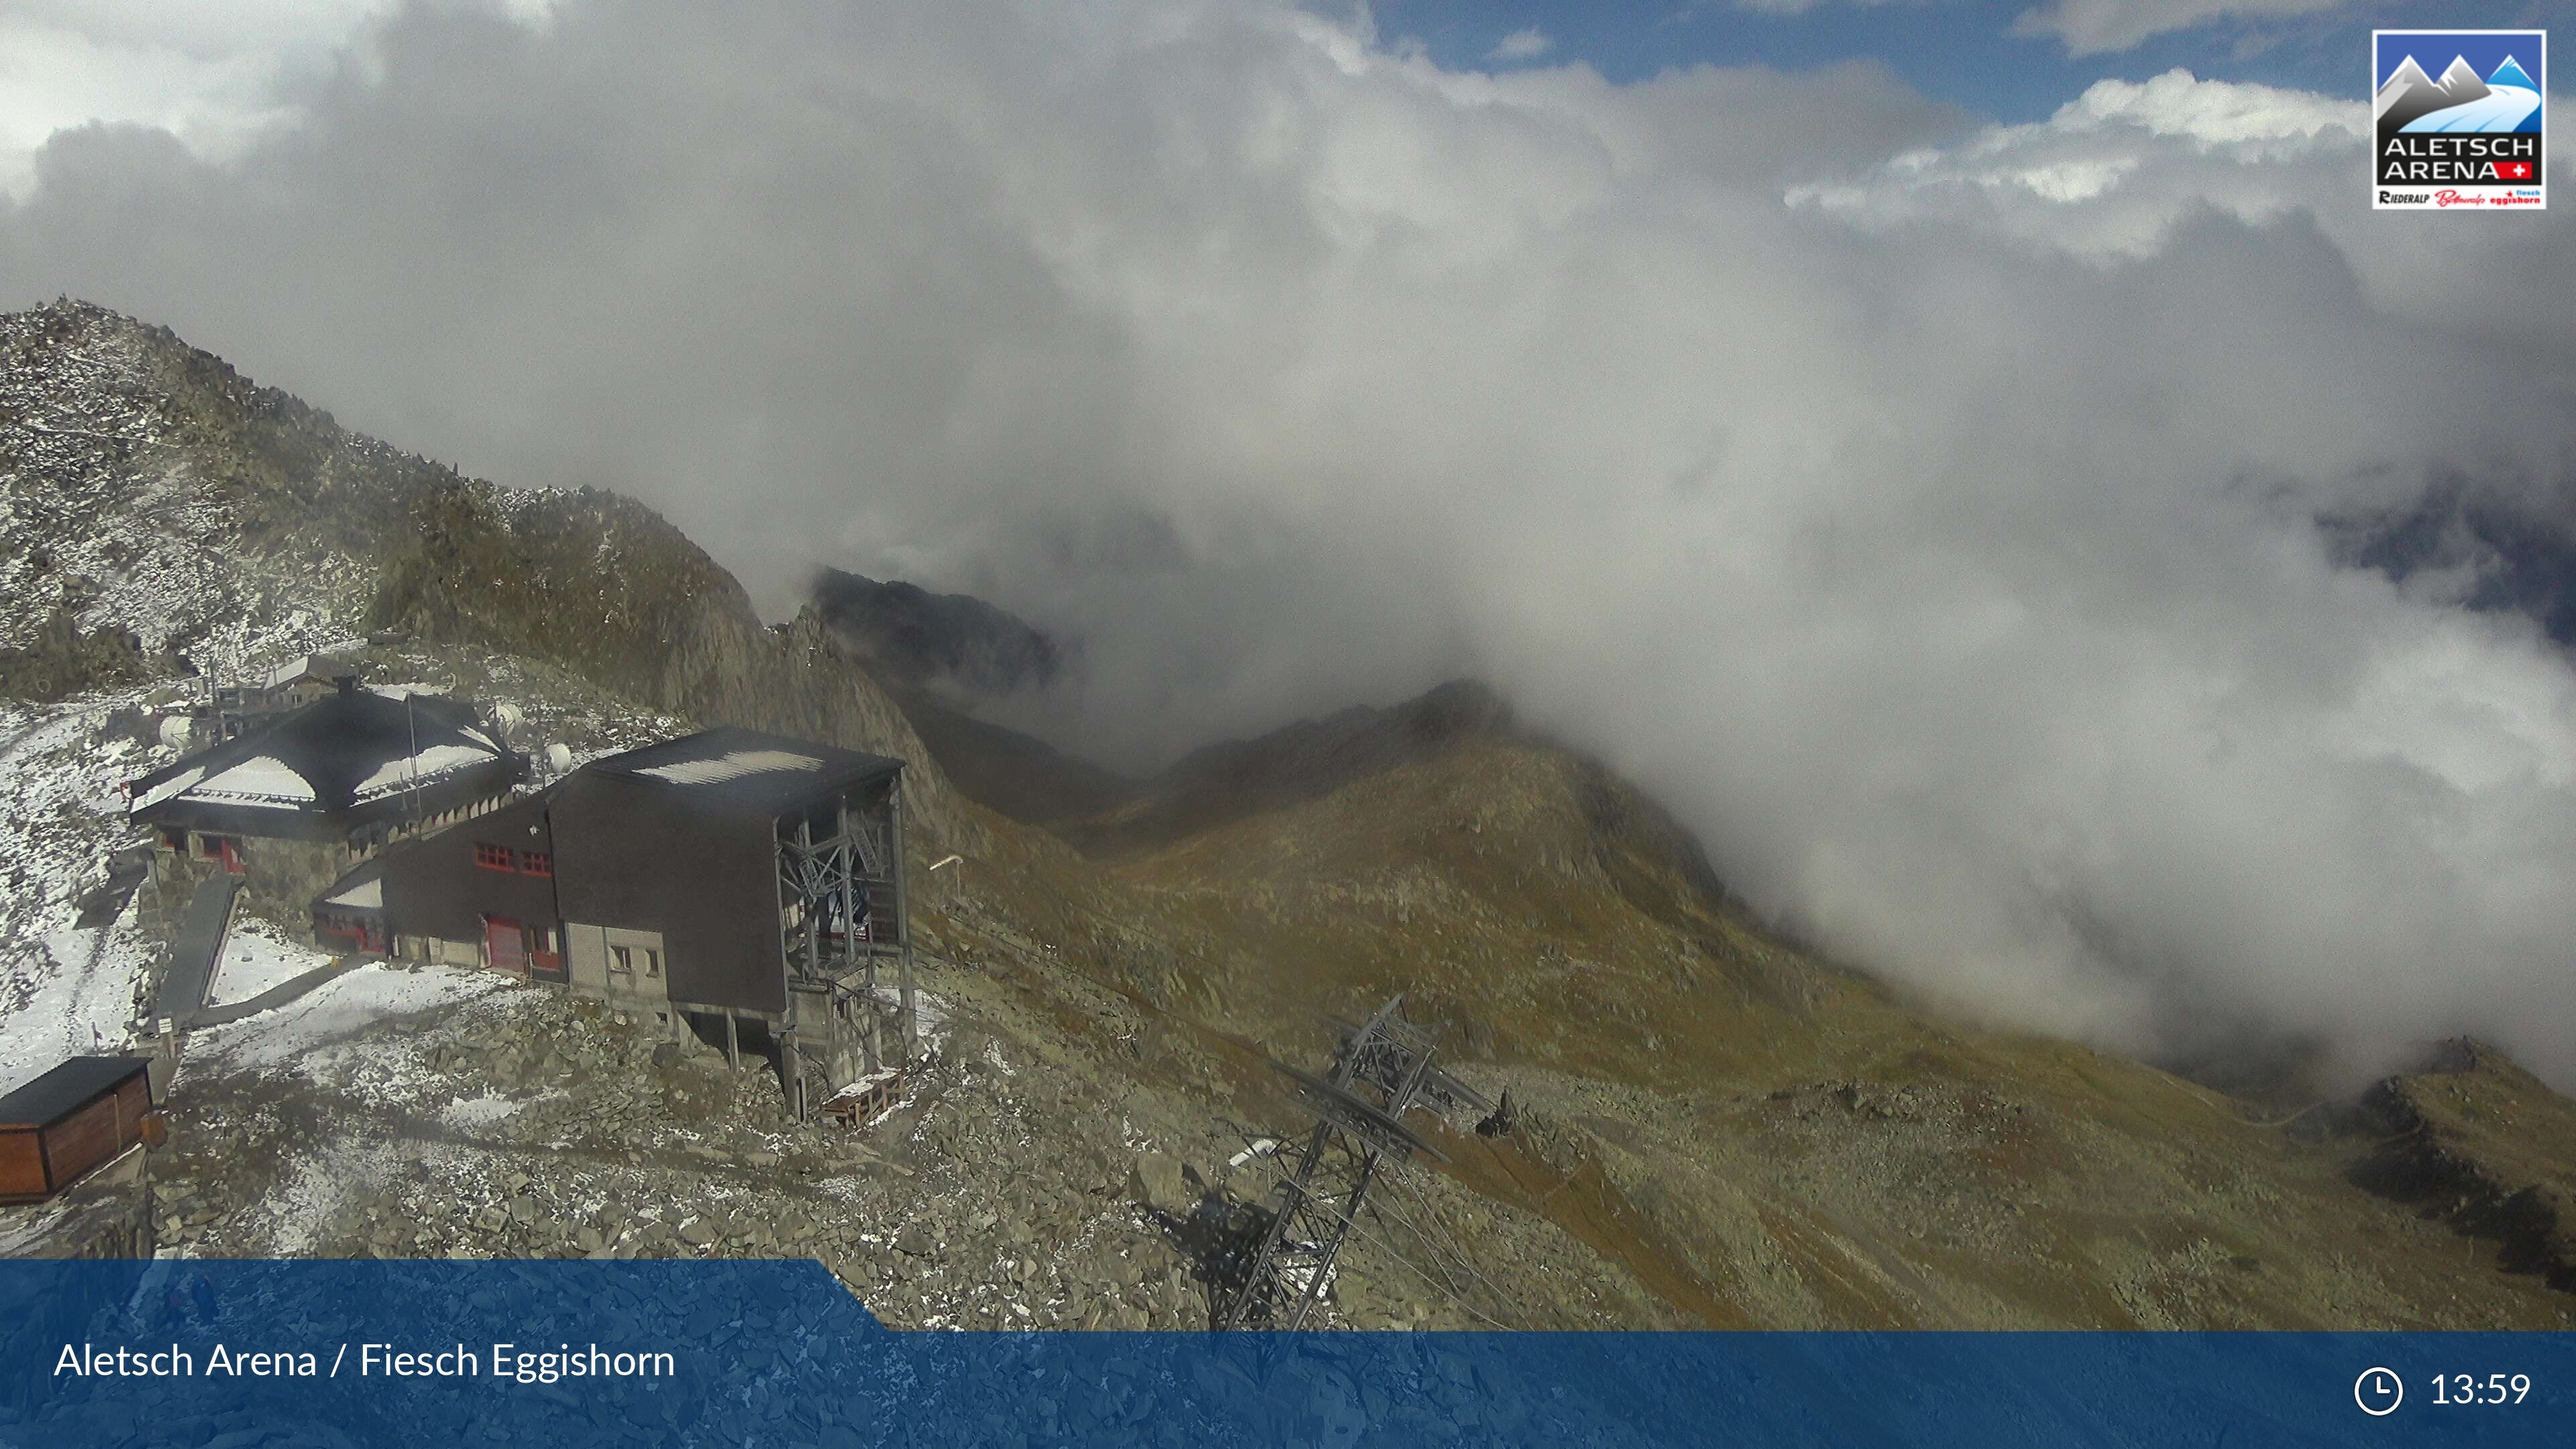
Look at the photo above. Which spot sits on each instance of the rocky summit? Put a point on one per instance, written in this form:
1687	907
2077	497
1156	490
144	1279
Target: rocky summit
1707	1125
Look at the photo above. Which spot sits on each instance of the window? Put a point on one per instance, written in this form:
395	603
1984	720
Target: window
652	963
492	857
536	862
621	960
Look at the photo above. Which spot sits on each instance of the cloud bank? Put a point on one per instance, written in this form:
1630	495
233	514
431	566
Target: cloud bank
1928	513
2094	27
2091	27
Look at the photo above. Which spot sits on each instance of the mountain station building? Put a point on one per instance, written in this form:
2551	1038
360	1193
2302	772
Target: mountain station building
353	768
729	877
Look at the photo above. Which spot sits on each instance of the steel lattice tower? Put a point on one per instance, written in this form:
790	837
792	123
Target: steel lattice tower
1382	1069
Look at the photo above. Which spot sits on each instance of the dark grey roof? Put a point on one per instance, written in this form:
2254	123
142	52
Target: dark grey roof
336	756
747	768
55	1095
199	943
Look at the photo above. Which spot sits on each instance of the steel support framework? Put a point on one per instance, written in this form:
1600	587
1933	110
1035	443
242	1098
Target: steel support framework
1382	1069
823	917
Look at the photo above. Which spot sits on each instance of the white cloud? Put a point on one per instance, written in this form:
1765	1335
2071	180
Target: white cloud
2091	27
56	75
1942	546
2094	27
2114	170
1526	44
217	75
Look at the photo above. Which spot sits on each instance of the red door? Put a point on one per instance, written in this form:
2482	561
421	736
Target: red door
506	943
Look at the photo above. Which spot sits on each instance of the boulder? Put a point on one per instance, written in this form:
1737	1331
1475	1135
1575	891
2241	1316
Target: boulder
1158	1183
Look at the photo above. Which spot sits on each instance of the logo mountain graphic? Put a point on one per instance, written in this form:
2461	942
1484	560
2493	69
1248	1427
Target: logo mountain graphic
2461	82
2405	89
2459	101
2411	95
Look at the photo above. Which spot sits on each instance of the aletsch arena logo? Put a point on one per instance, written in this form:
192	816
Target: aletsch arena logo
2465	136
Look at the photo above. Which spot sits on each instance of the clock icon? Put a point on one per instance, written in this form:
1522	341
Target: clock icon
2378	1391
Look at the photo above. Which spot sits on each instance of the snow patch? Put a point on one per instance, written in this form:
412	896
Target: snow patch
341	1008
258	781
469	1113
930	1023
732	766
60	815
169	787
429	764
317	1189
257	958
86	1001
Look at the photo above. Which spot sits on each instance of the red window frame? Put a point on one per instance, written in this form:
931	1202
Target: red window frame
494	857
537	862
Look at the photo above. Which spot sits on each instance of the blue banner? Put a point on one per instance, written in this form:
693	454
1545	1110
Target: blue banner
572	1354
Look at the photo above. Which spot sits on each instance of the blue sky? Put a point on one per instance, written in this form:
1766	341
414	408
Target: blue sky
2483	53
1962	51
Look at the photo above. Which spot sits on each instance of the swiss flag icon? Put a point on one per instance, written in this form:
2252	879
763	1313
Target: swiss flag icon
2514	170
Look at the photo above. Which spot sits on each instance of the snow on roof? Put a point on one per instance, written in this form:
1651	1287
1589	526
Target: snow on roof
732	765
402	772
260	780
742	768
366	895
167	788
302	666
341	752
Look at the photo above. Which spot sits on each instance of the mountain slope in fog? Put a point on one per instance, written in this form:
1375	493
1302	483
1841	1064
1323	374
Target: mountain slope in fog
1714	1127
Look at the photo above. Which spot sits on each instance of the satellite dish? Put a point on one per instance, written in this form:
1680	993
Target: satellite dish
559	758
174	732
507	716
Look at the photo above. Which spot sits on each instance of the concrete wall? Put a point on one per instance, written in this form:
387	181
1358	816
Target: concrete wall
438	949
591	952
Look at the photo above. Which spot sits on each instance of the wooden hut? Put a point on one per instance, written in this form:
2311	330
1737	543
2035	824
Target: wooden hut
65	1124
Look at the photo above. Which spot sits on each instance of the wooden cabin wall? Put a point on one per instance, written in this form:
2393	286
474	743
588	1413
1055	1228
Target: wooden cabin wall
83	1140
22	1164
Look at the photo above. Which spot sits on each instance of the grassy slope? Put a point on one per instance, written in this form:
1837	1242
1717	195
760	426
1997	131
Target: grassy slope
1763	1139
